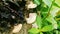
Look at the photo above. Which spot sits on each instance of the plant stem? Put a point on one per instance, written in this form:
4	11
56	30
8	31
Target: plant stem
49	10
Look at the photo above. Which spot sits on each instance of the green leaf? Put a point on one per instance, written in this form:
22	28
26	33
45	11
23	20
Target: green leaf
41	33
32	33
52	20
47	28
45	22
34	30
58	24
57	2
48	2
39	21
37	2
54	11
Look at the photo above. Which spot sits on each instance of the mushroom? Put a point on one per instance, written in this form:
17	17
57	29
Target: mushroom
17	28
32	18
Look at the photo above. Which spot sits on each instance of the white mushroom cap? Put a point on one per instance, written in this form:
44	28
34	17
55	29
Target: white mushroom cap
17	28
13	17
32	18
31	5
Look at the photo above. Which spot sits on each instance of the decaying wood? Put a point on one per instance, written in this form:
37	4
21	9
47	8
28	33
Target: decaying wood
24	30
